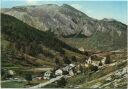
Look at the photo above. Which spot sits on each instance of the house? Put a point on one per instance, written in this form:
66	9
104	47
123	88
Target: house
11	72
71	66
78	67
96	60
58	72
38	78
71	73
89	61
68	67
103	60
95	63
81	49
47	74
86	65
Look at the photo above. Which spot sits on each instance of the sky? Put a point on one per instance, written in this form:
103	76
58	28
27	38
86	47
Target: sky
96	9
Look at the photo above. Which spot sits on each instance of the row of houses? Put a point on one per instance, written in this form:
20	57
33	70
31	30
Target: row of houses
71	69
67	70
96	62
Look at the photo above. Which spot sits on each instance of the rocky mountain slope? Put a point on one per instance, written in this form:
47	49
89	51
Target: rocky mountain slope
66	21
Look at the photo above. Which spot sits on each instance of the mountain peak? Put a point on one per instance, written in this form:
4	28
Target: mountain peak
66	5
69	7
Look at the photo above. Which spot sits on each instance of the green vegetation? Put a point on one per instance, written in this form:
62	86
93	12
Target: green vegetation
28	77
14	84
22	42
76	80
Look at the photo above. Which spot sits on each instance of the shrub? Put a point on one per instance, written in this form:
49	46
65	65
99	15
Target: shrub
107	61
28	77
93	68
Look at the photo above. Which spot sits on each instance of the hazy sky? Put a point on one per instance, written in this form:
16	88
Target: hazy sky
96	9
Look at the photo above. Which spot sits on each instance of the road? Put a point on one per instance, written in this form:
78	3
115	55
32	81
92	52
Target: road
48	82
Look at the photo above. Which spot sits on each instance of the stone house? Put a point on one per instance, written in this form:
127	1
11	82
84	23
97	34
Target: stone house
95	61
71	73
58	72
69	69
47	74
103	60
89	61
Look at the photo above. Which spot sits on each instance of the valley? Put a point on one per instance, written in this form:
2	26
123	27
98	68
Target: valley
51	46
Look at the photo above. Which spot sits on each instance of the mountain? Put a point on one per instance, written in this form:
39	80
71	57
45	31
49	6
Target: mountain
62	20
25	45
34	38
68	22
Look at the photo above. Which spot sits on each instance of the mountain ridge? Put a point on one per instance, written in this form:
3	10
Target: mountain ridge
68	22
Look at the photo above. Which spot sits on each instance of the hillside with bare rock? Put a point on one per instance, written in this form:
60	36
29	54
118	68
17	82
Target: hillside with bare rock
68	22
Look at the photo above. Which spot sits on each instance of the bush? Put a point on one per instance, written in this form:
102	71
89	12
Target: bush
28	77
93	68
108	60
74	59
61	83
67	60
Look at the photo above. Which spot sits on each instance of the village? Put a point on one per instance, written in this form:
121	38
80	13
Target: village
70	68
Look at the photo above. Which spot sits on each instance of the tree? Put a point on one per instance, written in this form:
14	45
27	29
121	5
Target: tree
52	75
65	72
67	61
86	53
3	73
93	68
57	62
28	77
108	60
74	59
100	64
61	83
81	69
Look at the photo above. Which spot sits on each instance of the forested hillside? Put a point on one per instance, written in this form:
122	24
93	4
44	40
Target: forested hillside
20	43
